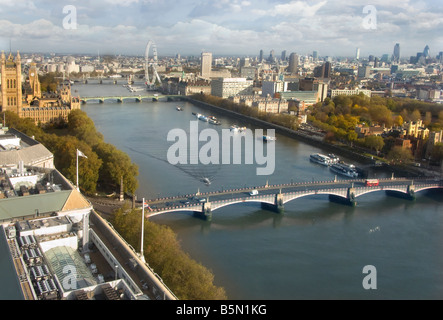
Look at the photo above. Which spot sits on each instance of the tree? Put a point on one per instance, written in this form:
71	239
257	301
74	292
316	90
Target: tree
437	153
428	118
399	155
116	164
381	114
405	115
398	121
65	160
415	116
374	142
188	279
82	127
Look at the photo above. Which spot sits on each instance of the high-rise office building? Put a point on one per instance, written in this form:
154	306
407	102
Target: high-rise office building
244	62
323	71
426	52
315	55
261	56
357	54
283	55
206	65
396	55
293	63
272	56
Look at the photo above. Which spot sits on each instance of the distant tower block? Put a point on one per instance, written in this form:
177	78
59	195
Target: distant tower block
206	65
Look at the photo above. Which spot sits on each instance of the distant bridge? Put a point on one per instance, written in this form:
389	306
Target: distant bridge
273	197
139	98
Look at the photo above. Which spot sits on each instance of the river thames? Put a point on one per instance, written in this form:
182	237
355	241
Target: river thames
315	250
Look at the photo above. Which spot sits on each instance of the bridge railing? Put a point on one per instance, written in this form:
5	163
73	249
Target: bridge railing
436	182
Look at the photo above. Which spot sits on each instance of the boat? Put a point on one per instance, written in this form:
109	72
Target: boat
344	169
334	158
213	120
234	128
269	138
179	108
206	181
320	159
202	117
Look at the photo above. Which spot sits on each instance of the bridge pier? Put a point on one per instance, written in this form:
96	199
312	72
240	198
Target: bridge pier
206	213
278	205
101	101
409	195
349	200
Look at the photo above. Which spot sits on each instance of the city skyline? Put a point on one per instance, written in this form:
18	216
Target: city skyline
227	27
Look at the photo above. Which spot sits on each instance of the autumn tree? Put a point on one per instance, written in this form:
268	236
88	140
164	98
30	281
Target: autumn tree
399	155
188	279
116	165
82	127
65	160
374	142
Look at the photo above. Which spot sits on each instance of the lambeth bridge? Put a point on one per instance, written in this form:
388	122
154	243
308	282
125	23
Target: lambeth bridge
274	197
136	98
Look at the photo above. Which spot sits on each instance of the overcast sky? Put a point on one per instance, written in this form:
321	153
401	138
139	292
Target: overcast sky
223	27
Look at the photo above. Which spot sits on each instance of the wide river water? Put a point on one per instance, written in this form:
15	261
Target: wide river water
315	250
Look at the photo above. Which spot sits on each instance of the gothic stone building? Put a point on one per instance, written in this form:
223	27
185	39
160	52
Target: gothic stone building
25	97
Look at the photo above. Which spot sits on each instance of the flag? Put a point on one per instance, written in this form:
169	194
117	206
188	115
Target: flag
146	205
81	154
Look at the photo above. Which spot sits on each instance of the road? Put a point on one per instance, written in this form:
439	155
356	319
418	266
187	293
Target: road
160	204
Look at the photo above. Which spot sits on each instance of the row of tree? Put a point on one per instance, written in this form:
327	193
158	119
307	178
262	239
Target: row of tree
339	116
105	165
188	279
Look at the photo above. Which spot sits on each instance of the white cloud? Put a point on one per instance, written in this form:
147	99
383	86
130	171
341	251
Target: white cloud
297	8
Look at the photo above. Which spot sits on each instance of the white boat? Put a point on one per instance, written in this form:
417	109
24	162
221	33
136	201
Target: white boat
213	120
269	138
234	128
206	181
334	158
179	108
344	169
202	117
320	159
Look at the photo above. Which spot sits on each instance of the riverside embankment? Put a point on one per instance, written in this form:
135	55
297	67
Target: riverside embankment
316	140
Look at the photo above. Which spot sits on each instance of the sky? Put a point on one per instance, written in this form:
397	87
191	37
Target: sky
223	27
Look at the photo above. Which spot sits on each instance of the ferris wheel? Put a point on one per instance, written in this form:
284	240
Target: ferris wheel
151	64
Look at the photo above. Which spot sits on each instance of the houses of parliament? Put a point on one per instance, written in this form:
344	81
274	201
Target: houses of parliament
26	98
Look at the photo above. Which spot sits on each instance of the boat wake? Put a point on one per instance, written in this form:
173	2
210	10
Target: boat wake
204	173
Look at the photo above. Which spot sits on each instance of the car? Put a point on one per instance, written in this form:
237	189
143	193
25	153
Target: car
253	193
184	201
202	200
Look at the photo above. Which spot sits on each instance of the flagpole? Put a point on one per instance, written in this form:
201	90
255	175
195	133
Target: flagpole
77	170
143	229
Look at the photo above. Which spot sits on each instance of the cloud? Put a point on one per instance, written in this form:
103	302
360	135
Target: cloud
297	8
223	26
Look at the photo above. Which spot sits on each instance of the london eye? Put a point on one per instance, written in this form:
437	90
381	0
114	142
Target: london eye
151	64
